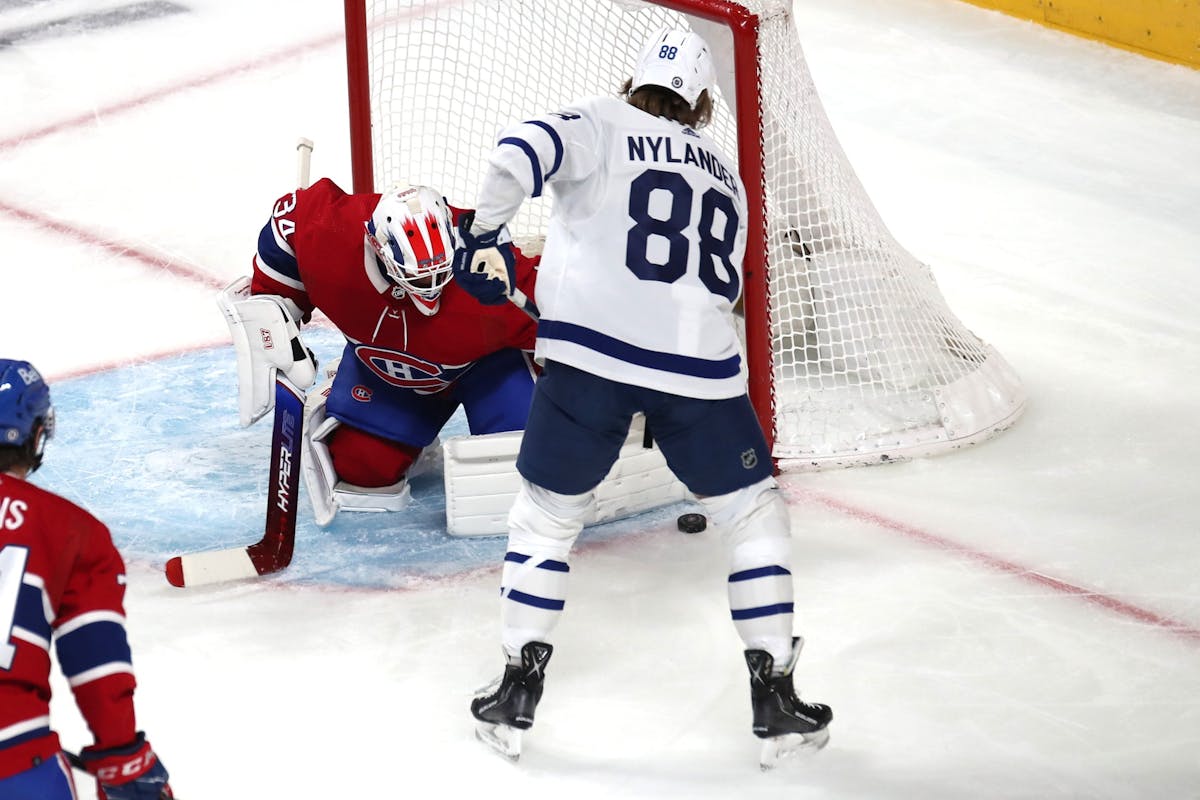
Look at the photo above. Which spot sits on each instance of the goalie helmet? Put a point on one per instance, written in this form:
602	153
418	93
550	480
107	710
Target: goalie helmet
26	416
678	60
412	233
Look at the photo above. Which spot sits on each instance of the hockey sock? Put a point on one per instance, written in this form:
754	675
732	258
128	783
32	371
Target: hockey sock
761	596
543	525
755	527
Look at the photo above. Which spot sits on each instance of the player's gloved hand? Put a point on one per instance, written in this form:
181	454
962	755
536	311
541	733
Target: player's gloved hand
132	772
484	264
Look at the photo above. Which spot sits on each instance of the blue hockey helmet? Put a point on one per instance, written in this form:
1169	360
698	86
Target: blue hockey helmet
26	416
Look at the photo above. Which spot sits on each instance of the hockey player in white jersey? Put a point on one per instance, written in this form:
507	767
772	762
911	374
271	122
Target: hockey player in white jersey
641	269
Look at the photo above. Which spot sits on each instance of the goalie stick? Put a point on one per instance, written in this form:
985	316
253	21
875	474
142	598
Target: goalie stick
274	551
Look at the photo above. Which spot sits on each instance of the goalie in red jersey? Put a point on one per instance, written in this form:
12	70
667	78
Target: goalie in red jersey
61	581
417	346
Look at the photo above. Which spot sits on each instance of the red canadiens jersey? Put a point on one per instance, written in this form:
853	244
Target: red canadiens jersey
61	580
314	251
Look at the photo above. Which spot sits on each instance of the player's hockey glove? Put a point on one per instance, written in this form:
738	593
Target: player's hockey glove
484	264
132	772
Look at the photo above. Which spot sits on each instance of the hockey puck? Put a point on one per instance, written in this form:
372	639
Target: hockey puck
691	523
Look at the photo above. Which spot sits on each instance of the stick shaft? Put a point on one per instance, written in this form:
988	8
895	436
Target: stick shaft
304	148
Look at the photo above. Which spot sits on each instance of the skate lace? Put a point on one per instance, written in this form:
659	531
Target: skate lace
810	706
490	687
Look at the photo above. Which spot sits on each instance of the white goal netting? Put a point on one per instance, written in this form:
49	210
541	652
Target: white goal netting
868	362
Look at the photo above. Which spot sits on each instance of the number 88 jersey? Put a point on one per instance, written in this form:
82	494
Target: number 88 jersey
643	258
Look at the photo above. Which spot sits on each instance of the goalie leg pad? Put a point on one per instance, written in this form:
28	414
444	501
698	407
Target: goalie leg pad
316	465
482	481
396	497
327	491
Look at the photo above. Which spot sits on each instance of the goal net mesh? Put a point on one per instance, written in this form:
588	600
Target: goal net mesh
868	362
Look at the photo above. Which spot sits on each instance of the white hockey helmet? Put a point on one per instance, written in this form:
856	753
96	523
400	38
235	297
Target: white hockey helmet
412	232
678	60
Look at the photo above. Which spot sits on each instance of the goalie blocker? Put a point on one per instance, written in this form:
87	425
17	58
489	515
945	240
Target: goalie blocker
266	338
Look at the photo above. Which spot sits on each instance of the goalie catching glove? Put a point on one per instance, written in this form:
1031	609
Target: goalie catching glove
132	772
266	337
484	264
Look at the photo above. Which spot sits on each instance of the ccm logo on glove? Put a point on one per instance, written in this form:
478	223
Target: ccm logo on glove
130	769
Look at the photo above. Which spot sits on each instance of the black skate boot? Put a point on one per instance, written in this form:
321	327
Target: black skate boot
505	707
786	723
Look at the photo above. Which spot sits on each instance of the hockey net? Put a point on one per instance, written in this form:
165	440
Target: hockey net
853	355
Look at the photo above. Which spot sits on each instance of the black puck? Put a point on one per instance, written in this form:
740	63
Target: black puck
691	523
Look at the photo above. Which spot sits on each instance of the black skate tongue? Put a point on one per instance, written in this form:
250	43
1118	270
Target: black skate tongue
534	656
760	663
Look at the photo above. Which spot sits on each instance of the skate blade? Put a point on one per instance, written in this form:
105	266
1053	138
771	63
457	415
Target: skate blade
503	739
779	748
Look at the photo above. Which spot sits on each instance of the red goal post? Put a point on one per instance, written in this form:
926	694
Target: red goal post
853	356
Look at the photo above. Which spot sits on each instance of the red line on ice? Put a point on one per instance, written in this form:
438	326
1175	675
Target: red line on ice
168	91
263	62
119	248
999	564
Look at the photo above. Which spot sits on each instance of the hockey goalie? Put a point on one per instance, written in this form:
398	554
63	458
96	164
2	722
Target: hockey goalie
418	349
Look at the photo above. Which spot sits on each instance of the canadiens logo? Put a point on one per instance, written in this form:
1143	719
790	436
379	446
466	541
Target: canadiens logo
405	370
361	393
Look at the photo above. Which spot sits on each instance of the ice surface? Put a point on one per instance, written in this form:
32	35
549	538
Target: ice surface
1021	619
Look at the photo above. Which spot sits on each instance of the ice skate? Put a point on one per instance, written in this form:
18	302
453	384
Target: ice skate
505	707
786	724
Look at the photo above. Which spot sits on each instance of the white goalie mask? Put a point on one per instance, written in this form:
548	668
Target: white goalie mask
412	234
678	60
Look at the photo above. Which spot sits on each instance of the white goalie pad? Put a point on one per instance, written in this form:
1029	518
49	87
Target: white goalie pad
481	480
327	493
266	338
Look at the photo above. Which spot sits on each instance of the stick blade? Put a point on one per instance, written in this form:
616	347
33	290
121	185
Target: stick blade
217	566
274	551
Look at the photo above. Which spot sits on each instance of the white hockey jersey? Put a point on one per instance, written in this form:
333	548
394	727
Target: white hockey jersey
643	259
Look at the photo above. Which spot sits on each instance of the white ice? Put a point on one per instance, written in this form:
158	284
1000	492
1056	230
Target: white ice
994	623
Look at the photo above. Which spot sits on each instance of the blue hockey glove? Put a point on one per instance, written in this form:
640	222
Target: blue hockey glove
132	772
484	264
